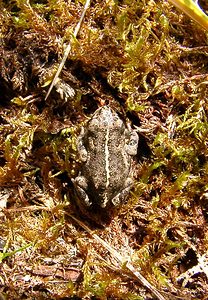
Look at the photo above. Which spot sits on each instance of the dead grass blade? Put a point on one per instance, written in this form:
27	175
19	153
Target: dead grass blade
68	49
128	266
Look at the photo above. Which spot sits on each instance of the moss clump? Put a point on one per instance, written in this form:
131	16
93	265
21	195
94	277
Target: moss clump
139	57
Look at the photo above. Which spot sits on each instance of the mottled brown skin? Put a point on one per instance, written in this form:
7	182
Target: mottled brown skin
106	148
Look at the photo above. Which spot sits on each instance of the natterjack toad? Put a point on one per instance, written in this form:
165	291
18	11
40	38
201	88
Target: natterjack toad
106	147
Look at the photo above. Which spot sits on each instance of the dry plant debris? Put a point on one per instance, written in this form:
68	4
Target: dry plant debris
148	60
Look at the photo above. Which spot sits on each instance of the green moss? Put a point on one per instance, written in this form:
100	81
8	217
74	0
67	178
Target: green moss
140	58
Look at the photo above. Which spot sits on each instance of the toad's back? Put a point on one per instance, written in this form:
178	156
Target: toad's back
106	147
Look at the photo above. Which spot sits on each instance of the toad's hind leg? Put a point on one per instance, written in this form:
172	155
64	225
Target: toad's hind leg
81	185
120	197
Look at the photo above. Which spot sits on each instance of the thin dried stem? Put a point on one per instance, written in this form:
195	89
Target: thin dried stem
68	49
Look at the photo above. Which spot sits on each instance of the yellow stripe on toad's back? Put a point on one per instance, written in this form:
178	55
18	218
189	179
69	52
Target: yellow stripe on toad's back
107	158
